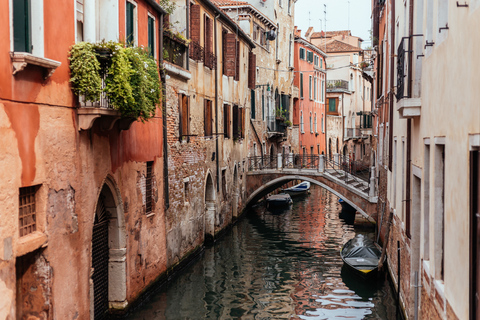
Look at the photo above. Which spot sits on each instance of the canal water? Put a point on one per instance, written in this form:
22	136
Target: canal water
276	265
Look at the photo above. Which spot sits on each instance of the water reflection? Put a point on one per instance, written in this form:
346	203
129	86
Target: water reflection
276	266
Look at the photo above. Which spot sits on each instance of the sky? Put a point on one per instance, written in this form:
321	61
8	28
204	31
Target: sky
337	16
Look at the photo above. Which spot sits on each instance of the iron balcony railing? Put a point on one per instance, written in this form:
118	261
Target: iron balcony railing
305	161
104	101
210	60
352	133
196	51
337	84
276	124
174	51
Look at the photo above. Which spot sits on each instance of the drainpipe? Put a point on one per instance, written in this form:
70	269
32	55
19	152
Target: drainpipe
164	118
216	105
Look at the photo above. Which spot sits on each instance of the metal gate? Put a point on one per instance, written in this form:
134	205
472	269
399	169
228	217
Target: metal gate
100	261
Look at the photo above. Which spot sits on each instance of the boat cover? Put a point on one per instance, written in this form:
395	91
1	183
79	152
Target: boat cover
299	187
361	252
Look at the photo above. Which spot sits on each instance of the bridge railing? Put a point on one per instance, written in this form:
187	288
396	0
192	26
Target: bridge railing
338	167
353	167
262	162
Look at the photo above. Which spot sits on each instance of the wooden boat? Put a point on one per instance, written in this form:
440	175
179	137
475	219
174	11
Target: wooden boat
361	255
299	189
279	200
346	207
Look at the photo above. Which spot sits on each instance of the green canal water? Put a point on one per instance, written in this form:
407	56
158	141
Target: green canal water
276	265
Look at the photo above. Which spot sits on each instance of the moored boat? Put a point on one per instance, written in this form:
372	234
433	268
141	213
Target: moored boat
361	255
299	189
279	200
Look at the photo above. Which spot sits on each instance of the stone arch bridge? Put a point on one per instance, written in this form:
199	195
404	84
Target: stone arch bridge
266	174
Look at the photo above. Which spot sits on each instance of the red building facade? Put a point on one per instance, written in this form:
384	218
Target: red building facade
309	108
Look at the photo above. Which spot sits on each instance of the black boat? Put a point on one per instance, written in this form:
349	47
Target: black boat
361	255
279	200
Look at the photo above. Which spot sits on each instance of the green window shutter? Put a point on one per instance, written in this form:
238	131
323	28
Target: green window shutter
21	26
331	105
129	24
151	35
252	100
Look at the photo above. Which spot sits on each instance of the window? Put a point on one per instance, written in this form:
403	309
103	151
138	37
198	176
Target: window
323	90
310	56
263	105
184	117
439	211
149	188
255	32
27	211
332	105
252	68
315	96
79	16
207	114
315	123
301	85
186	190
151	35
323	130
238	120
316	60
321	63
290	46
301	122
311	126
229	45
22	41
310	87
302	53
289	6
263	37
226	120
130	23
252	102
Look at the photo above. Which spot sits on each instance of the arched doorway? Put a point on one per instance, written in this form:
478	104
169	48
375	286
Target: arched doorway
209	209
108	253
235	193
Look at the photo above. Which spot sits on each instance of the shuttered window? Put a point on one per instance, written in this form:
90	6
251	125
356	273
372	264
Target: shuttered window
195	22
310	87
208	34
130	26
237	61
252	69
79	13
229	53
332	106
151	35
235	122
208	118
301	85
252	100
302	53
21	26
226	120
184	117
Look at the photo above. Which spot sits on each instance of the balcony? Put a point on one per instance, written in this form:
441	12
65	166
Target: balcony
407	106
174	50
276	127
101	109
196	51
353	133
337	85
210	60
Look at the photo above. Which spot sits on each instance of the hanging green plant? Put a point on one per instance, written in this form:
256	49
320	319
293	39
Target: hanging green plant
85	71
132	84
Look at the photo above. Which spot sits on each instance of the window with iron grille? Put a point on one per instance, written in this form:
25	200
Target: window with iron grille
27	212
149	188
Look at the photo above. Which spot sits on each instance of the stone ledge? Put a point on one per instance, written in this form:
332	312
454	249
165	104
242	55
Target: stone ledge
21	59
175	70
409	107
30	242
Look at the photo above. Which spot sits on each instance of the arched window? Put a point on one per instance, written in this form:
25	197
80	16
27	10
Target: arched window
301	122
